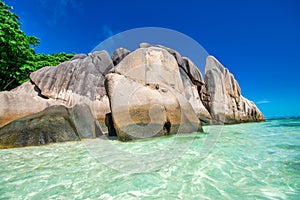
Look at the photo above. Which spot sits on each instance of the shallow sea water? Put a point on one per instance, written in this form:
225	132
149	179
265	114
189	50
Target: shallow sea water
246	161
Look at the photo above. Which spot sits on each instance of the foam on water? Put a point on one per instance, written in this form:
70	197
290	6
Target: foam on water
255	160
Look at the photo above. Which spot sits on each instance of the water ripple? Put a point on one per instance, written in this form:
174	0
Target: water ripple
250	161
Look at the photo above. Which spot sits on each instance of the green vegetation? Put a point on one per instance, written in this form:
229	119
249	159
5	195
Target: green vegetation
39	61
17	55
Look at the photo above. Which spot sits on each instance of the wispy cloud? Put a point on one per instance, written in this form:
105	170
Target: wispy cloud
106	31
264	101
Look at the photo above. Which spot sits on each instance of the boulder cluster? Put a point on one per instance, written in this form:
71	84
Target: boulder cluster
151	91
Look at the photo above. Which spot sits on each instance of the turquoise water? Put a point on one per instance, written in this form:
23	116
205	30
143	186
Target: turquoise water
247	161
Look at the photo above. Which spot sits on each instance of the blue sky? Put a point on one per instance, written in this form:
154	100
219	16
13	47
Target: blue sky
258	40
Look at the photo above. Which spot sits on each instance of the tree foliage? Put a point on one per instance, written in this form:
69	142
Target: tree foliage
42	60
17	55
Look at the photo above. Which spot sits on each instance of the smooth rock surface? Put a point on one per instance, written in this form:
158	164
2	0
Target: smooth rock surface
144	45
22	101
183	62
151	65
192	91
79	56
146	96
173	52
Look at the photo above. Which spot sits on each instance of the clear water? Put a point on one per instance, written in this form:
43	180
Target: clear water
249	161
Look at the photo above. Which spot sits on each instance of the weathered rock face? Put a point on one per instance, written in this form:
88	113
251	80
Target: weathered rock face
226	104
218	99
146	95
54	124
77	81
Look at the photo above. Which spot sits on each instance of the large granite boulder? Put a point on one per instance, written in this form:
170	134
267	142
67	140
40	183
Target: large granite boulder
149	92
78	81
54	124
225	103
193	82
119	54
147	97
187	65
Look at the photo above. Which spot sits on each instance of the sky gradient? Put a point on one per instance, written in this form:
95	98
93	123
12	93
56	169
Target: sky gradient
258	40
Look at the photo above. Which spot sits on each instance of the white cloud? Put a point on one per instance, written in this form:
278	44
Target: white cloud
264	101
